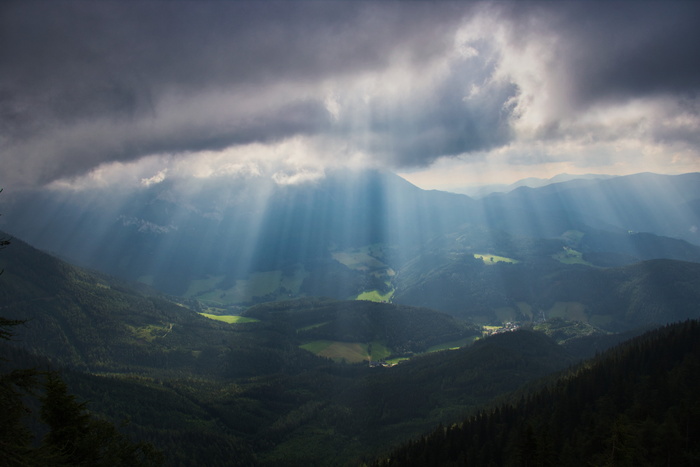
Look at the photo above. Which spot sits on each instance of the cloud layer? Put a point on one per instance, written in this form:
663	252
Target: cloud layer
95	91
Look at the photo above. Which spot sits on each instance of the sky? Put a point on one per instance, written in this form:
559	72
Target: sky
447	95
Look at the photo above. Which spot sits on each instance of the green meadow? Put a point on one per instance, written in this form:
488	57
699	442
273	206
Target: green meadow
487	329
570	256
376	296
230	319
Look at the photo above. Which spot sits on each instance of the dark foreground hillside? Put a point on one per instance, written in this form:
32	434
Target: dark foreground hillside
635	405
204	392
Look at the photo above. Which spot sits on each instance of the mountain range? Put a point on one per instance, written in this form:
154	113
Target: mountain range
246	323
234	243
532	182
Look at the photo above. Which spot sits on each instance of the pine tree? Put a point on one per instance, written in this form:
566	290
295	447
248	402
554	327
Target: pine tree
79	439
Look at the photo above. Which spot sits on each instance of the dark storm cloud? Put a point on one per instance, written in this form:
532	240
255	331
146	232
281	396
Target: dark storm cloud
654	50
447	122
85	83
102	56
72	64
618	50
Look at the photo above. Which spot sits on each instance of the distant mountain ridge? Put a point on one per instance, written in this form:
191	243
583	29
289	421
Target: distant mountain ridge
255	390
238	242
531	182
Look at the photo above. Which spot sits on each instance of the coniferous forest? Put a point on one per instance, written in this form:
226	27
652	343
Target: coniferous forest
634	405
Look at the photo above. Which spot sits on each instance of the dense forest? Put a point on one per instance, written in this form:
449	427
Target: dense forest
70	435
634	405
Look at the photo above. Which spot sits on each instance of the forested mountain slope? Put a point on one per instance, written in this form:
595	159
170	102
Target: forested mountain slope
200	389
254	241
634	405
89	321
614	299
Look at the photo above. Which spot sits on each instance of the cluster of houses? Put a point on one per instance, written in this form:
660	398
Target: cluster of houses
507	327
373	364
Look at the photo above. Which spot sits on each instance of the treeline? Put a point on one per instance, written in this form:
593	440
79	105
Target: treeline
635	405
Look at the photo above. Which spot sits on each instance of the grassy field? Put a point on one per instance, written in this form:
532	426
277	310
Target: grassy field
570	256
366	259
351	352
488	329
493	259
375	296
231	319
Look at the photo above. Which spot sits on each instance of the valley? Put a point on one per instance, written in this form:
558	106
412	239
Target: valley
328	341
349	233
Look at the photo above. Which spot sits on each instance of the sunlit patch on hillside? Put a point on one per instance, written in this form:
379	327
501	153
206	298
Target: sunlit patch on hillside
369	260
230	319
376	296
570	256
493	259
489	329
